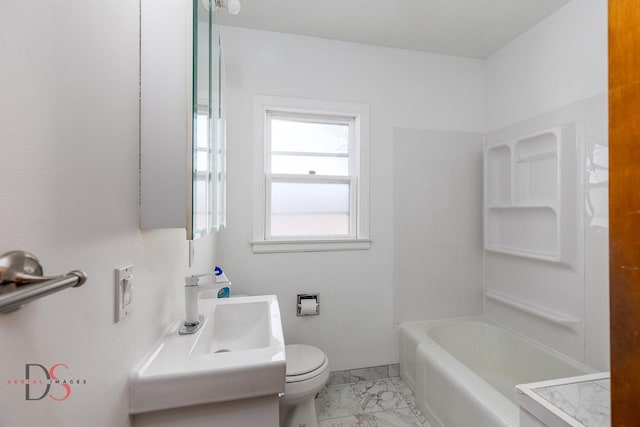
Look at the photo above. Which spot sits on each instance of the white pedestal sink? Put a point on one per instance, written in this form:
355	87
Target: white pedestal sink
235	363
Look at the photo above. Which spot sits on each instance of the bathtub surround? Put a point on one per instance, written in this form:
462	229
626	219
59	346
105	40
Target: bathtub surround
556	286
437	252
596	228
572	287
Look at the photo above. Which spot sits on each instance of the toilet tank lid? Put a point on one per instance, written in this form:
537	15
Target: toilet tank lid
302	358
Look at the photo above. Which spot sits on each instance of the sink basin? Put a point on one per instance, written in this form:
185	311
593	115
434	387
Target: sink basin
237	354
234	327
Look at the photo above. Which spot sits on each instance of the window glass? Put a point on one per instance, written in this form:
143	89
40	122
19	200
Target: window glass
309	137
309	147
202	130
310	209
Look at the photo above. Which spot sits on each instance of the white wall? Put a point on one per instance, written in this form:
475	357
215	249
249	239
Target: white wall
561	62
404	89
69	174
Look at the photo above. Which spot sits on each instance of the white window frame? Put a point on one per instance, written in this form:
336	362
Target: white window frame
357	116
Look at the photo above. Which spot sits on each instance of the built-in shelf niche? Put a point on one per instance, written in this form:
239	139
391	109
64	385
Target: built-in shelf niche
524	196
529	231
536	169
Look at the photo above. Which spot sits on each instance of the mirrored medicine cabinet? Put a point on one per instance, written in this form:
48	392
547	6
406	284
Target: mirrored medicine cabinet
182	141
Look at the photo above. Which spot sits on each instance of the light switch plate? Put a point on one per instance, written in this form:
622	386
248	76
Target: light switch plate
124	291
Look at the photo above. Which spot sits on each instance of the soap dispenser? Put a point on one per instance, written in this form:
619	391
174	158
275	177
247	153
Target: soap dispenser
225	290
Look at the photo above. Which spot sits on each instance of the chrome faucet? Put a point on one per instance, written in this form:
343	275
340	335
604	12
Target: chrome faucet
192	289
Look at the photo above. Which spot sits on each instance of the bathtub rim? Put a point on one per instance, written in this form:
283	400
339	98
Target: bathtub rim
487	320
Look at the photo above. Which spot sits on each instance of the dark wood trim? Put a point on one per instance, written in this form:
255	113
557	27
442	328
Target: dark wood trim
624	214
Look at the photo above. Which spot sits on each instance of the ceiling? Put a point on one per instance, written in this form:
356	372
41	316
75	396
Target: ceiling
470	28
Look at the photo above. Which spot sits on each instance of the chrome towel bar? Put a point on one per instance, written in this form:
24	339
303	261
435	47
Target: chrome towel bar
21	280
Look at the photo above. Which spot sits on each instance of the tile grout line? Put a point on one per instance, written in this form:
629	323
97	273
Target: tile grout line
349	373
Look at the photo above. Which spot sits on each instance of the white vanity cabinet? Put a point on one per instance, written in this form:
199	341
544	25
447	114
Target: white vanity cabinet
181	117
259	411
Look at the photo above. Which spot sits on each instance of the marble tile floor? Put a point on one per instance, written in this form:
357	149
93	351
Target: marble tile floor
386	402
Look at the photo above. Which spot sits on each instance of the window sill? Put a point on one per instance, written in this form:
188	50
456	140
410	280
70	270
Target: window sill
280	246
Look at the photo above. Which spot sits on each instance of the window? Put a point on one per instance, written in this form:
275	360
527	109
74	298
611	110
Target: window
311	185
202	175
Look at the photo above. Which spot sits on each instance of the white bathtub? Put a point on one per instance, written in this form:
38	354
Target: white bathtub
464	371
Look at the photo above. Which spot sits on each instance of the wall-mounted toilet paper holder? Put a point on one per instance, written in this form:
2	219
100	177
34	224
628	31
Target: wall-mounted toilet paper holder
308	305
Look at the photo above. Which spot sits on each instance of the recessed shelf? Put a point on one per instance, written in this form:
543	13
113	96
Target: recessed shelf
524	231
536	168
537	156
523	196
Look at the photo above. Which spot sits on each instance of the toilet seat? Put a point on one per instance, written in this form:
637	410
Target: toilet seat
304	362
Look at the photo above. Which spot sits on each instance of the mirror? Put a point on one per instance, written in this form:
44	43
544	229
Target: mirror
208	136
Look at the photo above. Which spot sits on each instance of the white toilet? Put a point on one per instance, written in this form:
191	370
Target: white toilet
307	373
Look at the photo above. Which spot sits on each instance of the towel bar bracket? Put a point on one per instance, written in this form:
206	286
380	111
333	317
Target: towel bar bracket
22	280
